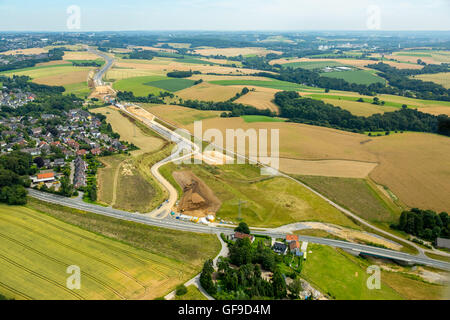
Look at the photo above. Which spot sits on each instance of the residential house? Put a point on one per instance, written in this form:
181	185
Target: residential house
294	248
240	235
44	177
79	179
280	248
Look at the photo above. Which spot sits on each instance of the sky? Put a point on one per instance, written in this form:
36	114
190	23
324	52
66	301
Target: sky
227	15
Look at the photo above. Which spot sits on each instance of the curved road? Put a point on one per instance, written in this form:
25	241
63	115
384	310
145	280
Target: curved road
185	144
98	77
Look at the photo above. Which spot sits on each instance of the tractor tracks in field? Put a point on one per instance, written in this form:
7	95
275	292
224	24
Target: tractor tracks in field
64	264
142	260
15	291
112	266
38	275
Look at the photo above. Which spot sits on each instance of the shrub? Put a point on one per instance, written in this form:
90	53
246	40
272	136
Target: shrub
181	290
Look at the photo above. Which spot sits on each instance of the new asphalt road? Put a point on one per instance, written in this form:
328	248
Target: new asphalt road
174	224
98	78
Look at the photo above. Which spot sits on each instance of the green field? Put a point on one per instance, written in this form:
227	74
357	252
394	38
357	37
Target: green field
171	85
270	201
412	54
358	195
355	76
39	247
45	71
127	184
343	277
250	119
79	89
273	84
190	60
24	70
178	115
138	86
313	64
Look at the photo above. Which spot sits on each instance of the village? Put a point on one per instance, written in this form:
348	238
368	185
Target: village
57	143
15	98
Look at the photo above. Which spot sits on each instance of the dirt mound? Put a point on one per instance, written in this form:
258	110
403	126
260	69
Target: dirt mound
198	199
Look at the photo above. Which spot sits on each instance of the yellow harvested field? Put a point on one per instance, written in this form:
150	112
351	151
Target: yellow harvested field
121	50
211	77
162	66
79	55
37	250
178	45
411	59
327	168
25	51
360	108
261	99
414	166
299	141
352	62
436	110
129	132
64	78
209	92
180	116
232	52
429	56
57	75
53	63
439	78
115	74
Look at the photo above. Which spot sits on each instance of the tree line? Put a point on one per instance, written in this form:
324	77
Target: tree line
413	87
15	168
425	224
182	74
53	54
317	112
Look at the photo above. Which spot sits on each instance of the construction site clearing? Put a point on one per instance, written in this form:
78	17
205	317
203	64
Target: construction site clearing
198	200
